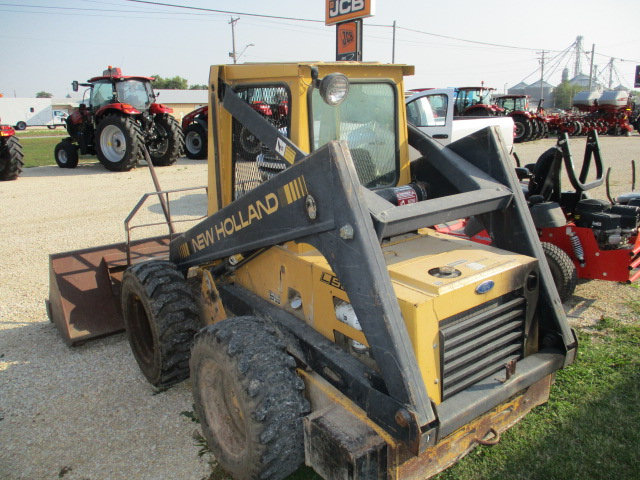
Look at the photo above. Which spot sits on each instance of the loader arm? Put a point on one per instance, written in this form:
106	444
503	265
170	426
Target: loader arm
319	201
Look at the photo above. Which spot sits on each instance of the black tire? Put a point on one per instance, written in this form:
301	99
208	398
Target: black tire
66	154
21	126
10	158
118	142
248	399
51	127
161	319
168	145
562	269
195	142
520	123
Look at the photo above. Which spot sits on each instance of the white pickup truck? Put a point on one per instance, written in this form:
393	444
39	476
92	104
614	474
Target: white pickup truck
432	111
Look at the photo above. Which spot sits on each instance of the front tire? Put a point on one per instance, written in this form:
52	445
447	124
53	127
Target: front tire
563	270
195	142
161	319
520	123
21	126
10	158
118	142
248	399
66	154
168	145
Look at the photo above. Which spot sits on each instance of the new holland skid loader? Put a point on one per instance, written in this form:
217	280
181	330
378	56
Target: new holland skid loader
320	319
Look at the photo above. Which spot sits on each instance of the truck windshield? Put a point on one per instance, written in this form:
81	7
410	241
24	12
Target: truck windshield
136	93
367	121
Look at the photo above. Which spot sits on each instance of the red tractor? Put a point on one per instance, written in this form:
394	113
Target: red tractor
194	126
10	154
121	119
528	125
476	102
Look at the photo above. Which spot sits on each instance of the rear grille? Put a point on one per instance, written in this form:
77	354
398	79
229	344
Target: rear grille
481	342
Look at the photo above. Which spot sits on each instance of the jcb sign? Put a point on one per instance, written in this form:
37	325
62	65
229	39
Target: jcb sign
343	10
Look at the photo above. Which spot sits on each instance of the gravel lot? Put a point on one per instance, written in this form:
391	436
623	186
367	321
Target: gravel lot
87	412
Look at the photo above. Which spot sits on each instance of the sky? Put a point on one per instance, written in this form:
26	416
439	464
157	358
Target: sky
45	44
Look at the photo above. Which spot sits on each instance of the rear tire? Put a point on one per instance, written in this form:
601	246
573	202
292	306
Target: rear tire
161	319
195	142
520	123
21	126
248	399
169	143
51	127
562	269
66	154
118	142
10	158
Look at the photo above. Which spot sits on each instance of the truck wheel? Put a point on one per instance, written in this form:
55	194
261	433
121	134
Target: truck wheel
51	127
562	269
520	123
248	399
168	145
66	154
10	158
161	319
195	142
118	142
21	126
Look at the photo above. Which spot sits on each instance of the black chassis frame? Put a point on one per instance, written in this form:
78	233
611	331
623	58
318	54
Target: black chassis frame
346	223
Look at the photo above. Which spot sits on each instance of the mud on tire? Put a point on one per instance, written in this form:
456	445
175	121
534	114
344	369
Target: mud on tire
169	144
10	158
562	269
248	399
161	319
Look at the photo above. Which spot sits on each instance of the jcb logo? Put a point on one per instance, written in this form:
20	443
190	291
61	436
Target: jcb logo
342	10
344	7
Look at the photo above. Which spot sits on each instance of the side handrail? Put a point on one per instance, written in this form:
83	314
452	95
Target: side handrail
163	196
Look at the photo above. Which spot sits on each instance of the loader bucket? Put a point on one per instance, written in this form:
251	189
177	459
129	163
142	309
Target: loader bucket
84	287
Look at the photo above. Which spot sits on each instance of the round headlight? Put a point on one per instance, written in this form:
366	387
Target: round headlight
334	88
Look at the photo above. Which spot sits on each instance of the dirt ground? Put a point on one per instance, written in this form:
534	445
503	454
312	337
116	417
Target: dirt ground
87	412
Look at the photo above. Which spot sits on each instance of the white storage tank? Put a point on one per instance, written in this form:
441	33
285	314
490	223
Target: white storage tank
585	99
614	99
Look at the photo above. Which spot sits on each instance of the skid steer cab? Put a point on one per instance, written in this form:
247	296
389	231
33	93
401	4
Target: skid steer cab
320	318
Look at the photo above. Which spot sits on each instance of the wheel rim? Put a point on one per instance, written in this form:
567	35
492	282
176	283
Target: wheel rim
63	157
222	409
519	130
113	143
161	145
193	142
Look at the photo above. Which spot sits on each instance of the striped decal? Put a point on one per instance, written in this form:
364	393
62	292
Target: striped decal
294	190
183	250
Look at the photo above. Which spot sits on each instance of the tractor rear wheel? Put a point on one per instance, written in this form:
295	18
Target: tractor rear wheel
195	141
168	144
520	123
66	154
10	158
562	269
161	319
249	399
118	142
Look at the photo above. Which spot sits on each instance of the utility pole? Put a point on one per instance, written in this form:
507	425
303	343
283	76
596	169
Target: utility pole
542	74
393	48
593	53
233	38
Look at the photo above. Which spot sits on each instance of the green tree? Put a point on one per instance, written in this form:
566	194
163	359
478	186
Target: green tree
198	87
174	83
44	94
564	93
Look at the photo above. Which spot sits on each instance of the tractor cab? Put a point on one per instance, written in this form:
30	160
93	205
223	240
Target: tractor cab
513	103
